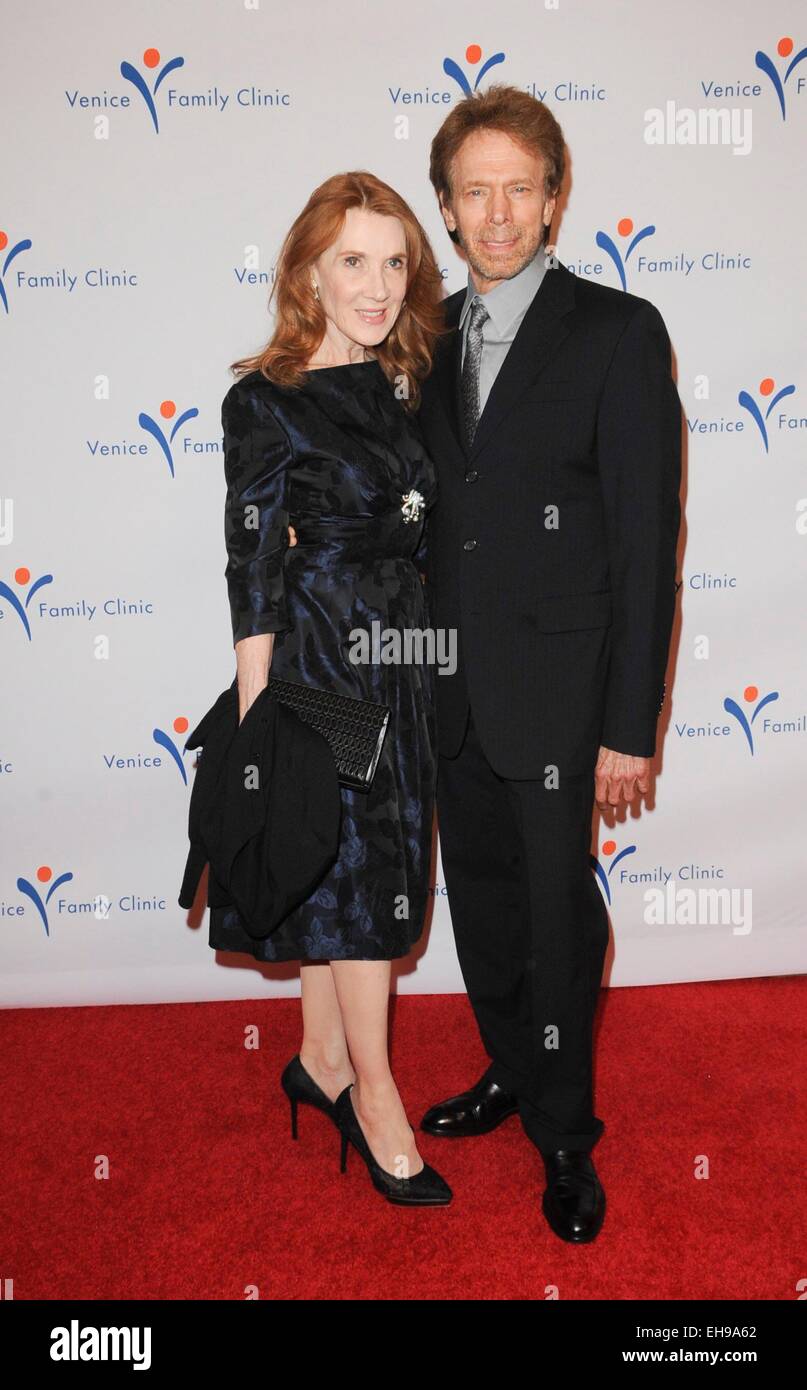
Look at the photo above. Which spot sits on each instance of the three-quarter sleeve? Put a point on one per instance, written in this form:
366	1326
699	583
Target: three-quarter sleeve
257	459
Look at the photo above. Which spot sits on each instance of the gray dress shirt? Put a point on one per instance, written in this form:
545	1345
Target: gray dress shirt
506	304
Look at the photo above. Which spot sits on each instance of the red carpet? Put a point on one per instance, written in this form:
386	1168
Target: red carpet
208	1195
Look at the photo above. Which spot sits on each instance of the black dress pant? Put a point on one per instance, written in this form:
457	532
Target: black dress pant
531	931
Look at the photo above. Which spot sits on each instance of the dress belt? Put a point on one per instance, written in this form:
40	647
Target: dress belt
383	535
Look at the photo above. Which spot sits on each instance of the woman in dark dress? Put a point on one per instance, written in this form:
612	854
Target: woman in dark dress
320	436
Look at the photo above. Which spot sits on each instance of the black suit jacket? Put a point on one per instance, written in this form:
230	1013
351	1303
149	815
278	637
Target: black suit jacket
552	546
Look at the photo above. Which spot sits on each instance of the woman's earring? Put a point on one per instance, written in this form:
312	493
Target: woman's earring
316	290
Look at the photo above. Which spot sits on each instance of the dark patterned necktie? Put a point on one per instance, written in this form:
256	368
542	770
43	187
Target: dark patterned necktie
470	369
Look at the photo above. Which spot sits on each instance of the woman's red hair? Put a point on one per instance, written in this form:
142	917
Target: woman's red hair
408	348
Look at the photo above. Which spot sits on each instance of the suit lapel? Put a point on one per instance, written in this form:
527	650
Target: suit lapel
445	374
540	334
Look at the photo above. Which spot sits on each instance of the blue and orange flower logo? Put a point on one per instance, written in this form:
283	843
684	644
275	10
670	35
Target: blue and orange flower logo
766	388
151	60
750	697
473	55
784	49
620	259
608	849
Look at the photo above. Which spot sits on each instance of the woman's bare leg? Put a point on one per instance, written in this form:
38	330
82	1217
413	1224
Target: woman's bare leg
362	988
323	1051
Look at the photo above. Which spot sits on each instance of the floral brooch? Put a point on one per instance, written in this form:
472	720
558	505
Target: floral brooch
412	505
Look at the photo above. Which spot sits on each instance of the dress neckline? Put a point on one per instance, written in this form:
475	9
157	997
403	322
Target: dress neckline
345	366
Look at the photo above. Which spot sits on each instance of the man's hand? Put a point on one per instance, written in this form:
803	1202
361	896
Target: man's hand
619	774
292	536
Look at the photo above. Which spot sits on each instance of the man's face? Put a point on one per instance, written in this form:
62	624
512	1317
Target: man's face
498	206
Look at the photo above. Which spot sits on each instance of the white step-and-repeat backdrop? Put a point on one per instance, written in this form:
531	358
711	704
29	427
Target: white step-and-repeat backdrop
154	157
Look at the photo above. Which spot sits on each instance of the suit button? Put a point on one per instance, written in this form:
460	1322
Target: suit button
469	545
471	476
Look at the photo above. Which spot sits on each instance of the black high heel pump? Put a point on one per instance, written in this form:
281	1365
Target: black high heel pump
298	1086
425	1189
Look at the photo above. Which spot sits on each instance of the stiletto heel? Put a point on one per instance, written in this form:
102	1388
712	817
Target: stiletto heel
425	1189
298	1086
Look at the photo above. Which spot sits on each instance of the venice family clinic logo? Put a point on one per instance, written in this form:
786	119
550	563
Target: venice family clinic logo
784	49
24	245
603	875
766	388
23	576
473	55
44	874
750	694
179	726
151	60
167	412
624	229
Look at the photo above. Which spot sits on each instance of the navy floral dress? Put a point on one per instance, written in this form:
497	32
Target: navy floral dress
337	458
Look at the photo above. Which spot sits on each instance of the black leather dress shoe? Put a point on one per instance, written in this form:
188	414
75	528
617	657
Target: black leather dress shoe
574	1201
477	1111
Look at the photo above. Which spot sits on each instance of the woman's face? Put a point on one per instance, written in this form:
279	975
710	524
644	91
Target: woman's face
362	280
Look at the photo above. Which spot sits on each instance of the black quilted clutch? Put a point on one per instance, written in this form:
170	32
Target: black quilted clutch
354	728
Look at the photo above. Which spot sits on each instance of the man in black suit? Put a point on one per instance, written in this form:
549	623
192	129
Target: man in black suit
555	426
